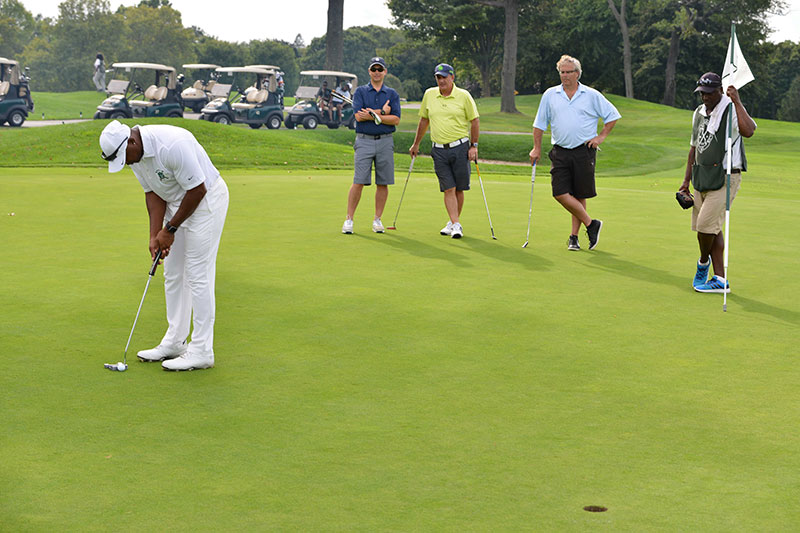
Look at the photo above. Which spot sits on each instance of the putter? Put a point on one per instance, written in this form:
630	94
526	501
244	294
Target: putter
393	226
122	366
530	208
484	201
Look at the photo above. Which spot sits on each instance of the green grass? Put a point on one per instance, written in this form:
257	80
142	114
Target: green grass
399	381
403	381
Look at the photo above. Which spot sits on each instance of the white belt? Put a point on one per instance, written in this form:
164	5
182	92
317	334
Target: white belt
452	144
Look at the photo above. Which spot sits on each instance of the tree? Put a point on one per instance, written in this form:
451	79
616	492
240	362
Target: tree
155	35
461	29
360	43
277	53
17	28
621	17
334	37
509	73
790	106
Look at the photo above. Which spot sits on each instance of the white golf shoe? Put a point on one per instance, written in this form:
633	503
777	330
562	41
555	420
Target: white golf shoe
188	361
347	227
161	352
457	231
447	230
377	226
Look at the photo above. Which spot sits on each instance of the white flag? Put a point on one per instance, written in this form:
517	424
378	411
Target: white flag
736	72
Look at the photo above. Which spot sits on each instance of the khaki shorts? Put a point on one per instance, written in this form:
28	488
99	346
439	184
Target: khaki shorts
708	213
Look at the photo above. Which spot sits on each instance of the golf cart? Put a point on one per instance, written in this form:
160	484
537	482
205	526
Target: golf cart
278	78
15	95
127	99
256	105
306	110
196	96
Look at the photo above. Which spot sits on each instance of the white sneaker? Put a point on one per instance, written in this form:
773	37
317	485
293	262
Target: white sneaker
448	229
348	226
457	232
377	226
188	361
161	352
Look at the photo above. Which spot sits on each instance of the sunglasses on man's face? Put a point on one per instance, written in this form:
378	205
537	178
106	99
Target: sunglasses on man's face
376	69
113	155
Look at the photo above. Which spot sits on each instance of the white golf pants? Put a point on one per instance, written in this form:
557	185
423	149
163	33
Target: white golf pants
190	271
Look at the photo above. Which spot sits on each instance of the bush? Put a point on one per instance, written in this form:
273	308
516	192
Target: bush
394	82
412	89
790	106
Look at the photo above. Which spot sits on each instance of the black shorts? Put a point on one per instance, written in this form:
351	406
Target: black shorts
452	167
572	171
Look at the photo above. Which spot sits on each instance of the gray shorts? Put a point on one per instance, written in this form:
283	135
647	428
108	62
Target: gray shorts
367	150
452	167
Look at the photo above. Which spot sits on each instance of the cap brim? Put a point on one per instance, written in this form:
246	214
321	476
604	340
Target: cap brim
118	162
706	89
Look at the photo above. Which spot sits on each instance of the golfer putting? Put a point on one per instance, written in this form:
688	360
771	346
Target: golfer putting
187	202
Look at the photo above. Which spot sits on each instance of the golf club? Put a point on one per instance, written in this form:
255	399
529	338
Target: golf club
530	208
484	200
375	116
122	366
393	226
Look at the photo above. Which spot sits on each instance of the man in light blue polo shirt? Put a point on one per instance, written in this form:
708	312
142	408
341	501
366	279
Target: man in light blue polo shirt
571	110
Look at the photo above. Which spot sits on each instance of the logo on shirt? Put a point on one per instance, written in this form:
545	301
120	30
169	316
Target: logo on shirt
705	138
162	176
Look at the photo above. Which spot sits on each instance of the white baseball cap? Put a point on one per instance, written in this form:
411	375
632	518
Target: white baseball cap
113	143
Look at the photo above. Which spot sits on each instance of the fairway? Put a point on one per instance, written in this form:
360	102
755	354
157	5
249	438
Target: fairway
404	381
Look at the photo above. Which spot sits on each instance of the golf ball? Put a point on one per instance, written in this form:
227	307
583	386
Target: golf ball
121	366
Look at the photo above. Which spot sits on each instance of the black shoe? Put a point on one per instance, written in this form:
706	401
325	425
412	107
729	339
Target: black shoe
593	232
572	243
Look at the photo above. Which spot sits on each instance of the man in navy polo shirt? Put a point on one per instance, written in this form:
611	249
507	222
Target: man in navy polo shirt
377	111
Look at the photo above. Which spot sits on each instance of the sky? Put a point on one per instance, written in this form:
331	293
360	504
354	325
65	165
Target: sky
281	19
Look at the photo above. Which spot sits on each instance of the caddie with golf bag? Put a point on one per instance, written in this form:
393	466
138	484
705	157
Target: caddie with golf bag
377	112
187	201
706	169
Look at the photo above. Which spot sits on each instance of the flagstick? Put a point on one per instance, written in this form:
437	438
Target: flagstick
727	238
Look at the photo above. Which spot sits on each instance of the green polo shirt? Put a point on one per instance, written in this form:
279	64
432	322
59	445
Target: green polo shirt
450	116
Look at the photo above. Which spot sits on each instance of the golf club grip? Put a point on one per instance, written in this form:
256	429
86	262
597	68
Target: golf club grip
155	263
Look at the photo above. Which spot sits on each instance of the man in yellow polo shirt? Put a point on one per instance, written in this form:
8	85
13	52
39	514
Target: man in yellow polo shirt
453	117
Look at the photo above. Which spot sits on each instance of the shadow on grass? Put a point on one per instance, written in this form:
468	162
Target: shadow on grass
611	263
754	306
520	256
419	248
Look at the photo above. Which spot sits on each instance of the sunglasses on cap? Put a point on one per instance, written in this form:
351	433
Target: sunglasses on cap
113	156
376	68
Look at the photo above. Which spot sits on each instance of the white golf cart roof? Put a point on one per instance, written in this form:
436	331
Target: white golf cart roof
318	73
253	70
150	66
200	66
4	61
266	67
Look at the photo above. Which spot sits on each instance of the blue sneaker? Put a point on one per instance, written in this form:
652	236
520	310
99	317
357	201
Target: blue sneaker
702	274
715	284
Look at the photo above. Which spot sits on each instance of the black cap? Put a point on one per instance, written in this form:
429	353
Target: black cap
377	61
708	83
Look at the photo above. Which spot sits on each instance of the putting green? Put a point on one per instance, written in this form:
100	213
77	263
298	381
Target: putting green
404	381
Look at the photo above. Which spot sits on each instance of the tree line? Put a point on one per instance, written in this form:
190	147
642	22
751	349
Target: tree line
652	50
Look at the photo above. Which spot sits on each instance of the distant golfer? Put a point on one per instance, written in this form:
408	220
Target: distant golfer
187	201
455	127
706	167
572	109
374	144
99	77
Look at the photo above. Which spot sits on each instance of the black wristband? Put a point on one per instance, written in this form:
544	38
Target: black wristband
171	229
